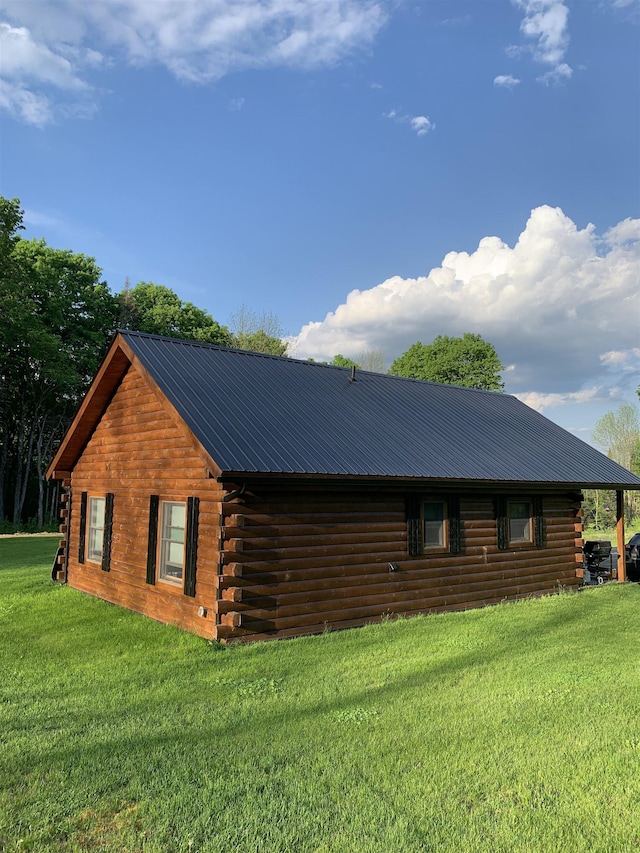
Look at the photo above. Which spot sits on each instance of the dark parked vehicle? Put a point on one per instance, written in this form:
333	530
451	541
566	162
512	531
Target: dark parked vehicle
632	557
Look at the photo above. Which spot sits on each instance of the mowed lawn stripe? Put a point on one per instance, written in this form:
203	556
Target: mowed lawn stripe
513	728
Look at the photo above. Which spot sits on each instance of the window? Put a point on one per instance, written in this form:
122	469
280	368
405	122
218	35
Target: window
519	522
434	524
177	548
95	529
172	529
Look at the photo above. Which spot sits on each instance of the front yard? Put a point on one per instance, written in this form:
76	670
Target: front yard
514	728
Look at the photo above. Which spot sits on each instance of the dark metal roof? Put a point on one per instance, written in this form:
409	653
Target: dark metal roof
257	414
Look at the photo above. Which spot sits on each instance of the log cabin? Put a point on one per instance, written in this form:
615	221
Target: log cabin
246	496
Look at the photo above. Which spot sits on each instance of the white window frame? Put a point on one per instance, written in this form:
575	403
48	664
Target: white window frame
96	508
171	542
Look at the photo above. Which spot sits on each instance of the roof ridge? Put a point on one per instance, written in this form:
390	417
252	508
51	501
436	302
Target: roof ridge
305	361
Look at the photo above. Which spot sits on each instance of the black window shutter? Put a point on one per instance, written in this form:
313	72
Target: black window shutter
108	532
538	522
502	524
152	542
455	525
191	555
83	527
414	525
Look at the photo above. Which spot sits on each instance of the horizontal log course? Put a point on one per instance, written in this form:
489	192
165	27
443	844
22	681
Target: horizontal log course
309	564
345	586
304	532
342	563
443	589
126	414
137	495
329	577
128	565
255	632
321	542
157	604
320	551
141	438
315	622
142	482
319	510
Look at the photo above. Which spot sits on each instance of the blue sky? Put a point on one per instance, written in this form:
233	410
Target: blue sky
373	173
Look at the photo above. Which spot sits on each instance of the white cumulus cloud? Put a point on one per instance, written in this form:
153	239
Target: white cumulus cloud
560	74
52	44
506	81
30	72
546	22
421	124
552	306
545	26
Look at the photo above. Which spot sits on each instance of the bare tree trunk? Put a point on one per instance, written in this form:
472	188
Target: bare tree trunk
4	455
47	434
24	458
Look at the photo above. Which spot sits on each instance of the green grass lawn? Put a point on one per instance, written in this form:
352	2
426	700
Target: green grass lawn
514	728
610	534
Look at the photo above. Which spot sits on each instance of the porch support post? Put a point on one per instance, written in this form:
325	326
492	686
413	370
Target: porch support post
622	569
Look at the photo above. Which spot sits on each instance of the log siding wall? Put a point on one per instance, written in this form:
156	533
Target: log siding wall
280	561
302	563
137	451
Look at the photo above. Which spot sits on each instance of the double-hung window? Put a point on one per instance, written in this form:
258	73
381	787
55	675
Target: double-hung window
172	539
172	553
95	529
520	526
520	522
434	525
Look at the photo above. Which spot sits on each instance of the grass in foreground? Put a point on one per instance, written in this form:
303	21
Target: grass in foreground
514	728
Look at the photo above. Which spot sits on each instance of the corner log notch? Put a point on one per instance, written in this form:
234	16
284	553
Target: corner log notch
61	559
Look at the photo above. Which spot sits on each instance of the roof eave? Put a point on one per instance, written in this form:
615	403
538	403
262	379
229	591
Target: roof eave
284	477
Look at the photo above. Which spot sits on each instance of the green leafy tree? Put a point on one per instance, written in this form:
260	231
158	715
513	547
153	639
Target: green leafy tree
156	309
468	361
342	361
618	434
258	332
11	309
58	318
599	509
260	341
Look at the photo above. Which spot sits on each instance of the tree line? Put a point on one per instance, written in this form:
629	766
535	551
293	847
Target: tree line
58	317
618	434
